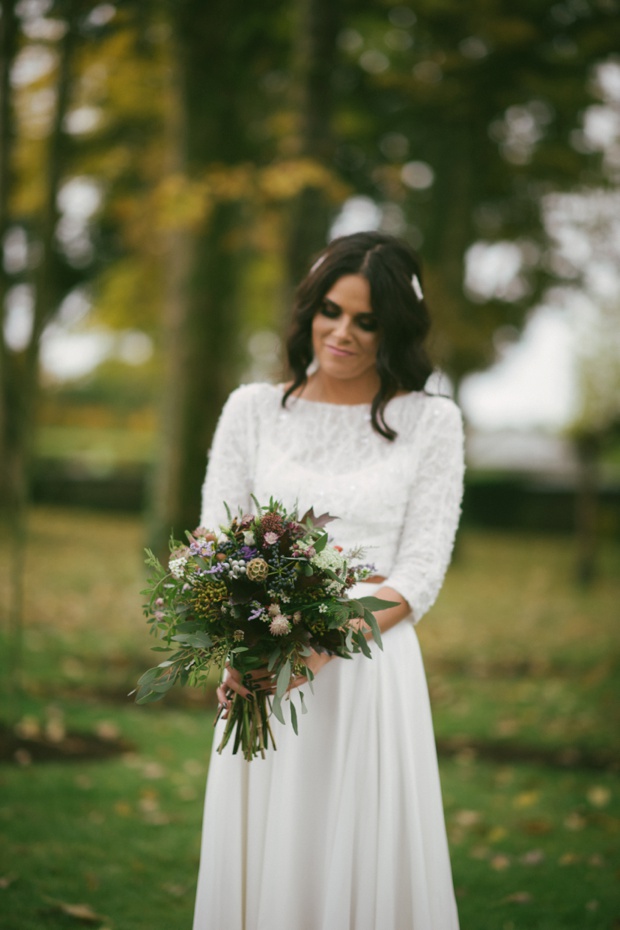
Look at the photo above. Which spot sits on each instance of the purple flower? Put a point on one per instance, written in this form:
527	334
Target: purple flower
247	553
256	613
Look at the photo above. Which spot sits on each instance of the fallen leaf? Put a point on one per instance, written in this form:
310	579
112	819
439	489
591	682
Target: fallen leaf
533	857
467	818
496	834
592	906
177	891
82	912
568	859
517	897
526	799
479	852
598	795
7	880
107	729
500	862
575	821
537	826
153	770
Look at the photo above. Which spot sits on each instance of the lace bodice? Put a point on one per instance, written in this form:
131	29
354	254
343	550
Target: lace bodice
400	500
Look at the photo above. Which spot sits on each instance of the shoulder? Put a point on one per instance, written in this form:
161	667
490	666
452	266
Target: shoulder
251	399
428	413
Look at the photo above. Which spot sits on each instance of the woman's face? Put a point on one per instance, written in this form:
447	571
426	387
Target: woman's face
345	331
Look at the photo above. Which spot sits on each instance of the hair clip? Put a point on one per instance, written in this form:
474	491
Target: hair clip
317	264
417	287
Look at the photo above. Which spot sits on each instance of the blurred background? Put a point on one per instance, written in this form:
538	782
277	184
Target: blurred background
168	170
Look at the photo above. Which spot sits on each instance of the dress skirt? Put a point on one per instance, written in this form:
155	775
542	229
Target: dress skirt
342	827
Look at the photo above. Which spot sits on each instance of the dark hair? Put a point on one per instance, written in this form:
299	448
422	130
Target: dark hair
388	264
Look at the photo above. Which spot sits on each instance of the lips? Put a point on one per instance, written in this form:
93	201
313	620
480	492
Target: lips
341	353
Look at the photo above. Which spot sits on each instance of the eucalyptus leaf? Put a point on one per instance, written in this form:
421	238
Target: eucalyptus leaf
370	602
276	707
294	718
284	679
304	709
371	620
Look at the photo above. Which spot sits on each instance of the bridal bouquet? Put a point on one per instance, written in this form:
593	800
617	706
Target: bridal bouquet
261	592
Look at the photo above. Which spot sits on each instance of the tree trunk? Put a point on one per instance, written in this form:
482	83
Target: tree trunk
20	369
586	503
311	212
200	317
8	48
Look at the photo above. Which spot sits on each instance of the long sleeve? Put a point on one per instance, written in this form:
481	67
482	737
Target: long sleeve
433	510
230	470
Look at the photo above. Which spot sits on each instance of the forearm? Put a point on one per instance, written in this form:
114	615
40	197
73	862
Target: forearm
391	615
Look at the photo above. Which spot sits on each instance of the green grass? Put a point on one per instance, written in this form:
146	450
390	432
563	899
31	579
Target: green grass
517	657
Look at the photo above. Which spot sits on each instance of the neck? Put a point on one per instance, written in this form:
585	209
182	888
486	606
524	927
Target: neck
320	387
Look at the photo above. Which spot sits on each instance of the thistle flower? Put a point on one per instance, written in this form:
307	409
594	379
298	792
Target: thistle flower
279	626
274	610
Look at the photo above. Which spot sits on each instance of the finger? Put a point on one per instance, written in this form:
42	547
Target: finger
234	685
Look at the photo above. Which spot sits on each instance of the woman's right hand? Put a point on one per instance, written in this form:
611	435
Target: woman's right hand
232	682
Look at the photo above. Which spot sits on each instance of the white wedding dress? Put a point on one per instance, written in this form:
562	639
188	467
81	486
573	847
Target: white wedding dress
342	827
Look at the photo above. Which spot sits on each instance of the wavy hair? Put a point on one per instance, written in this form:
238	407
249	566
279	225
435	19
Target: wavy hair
389	265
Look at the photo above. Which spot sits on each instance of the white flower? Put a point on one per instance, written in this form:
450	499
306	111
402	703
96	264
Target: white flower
274	610
334	587
280	625
323	608
297	616
248	538
177	566
329	558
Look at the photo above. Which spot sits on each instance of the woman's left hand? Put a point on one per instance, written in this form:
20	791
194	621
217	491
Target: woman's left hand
315	663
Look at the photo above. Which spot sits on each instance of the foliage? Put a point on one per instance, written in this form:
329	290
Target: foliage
261	593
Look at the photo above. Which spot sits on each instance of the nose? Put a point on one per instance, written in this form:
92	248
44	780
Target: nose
343	324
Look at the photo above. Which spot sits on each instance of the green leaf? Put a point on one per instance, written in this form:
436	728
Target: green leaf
149	697
320	543
276	707
273	658
284	679
304	709
371	620
308	570
200	640
375	603
294	718
360	639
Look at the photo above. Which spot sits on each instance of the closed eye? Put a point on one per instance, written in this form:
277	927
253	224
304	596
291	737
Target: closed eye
366	321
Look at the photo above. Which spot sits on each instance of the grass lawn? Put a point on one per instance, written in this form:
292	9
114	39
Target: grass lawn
519	661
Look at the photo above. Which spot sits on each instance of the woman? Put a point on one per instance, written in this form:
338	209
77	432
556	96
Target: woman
342	827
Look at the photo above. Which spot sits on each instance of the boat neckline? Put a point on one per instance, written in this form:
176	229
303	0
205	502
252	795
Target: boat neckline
327	403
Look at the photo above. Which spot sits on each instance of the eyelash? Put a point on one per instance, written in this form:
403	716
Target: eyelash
368	325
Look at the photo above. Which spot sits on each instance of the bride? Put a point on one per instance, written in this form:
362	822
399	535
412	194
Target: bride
342	827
